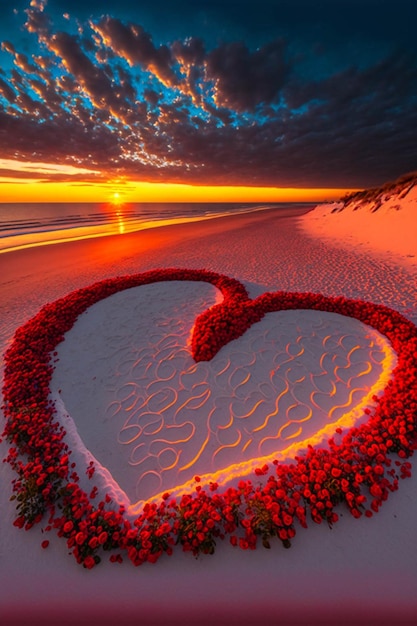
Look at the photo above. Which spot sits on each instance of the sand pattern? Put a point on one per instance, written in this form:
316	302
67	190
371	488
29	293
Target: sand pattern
155	418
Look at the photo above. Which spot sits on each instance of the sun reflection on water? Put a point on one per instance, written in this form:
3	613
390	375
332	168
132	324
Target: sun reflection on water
118	205
120	222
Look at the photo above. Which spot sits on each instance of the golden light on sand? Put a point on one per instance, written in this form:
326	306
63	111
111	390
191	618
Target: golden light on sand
295	444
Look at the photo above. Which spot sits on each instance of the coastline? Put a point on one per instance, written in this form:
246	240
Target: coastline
363	570
68	265
120	224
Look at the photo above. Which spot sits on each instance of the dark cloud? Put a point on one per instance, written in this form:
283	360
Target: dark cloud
8	47
37	20
135	45
90	77
190	52
7	91
245	79
106	95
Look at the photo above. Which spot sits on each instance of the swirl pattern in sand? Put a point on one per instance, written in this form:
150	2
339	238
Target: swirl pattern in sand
155	418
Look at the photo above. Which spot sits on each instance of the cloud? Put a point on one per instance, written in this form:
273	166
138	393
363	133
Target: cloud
135	45
7	91
37	20
14	171
103	95
245	79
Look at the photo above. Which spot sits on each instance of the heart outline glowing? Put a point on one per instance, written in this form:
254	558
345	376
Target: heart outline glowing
352	471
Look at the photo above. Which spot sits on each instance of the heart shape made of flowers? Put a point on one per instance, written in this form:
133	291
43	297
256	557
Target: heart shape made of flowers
354	470
151	418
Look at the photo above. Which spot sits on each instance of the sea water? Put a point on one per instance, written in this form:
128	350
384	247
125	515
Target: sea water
24	225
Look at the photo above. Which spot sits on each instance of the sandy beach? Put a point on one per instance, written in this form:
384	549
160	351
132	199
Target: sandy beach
362	571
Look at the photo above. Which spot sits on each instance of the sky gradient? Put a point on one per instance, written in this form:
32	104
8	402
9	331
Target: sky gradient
100	97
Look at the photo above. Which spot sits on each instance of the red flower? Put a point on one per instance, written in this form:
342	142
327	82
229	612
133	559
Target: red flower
80	538
20	521
102	538
68	526
314	483
89	562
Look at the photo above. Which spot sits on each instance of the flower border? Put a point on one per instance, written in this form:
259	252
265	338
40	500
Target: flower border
359	470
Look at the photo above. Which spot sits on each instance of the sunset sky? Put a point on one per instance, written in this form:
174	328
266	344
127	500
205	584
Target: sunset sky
203	99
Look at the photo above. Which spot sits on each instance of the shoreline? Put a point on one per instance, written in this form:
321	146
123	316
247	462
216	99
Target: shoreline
106	252
246	246
120	226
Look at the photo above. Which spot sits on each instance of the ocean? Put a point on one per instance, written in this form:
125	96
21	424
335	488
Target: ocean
25	225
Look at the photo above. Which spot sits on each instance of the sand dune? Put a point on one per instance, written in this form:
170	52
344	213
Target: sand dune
382	221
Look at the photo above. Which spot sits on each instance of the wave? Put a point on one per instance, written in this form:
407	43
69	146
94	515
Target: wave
30	225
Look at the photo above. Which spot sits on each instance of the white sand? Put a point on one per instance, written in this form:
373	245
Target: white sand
360	572
385	227
154	418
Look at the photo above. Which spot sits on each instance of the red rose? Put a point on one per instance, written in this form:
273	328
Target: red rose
89	562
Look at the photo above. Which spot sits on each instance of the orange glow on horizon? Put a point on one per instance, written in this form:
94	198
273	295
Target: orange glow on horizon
16	190
24	181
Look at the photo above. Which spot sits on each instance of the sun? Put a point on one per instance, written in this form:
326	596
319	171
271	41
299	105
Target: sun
116	198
